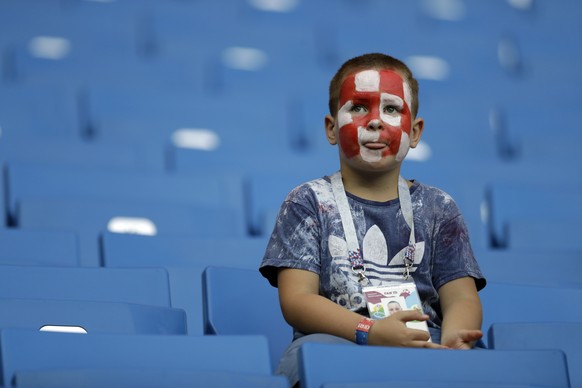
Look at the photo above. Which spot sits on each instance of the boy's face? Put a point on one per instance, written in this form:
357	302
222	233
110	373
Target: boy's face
394	307
374	118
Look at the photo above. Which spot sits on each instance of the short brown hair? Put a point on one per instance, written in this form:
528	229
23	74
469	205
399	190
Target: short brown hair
371	61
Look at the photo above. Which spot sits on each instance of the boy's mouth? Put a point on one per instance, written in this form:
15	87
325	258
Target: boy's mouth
375	145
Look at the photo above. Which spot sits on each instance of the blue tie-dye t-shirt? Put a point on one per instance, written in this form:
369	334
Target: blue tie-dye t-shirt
309	235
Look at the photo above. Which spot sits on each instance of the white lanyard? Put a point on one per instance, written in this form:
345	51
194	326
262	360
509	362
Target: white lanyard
354	251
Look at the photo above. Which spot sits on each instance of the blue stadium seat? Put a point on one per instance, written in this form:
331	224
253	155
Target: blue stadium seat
187	294
49	112
528	234
262	60
148	286
130	114
144	377
244	294
319	365
534	203
27	350
69	183
533	265
424	383
185	260
38	247
260	155
184	125
508	303
48	150
523	336
90	219
480	207
90	316
69	45
179	250
127	69
448	135
528	132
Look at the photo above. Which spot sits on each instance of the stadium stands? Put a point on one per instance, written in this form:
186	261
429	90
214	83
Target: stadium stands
146	147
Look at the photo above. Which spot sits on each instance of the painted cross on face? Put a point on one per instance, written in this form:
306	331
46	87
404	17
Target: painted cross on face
374	118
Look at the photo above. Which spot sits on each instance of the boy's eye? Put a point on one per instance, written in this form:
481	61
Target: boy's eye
358	109
390	109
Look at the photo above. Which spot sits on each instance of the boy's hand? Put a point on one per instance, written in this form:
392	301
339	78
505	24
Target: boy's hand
392	331
462	339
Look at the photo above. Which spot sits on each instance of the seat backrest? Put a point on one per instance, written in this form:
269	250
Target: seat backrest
506	303
91	218
27	350
38	247
241	301
29	111
319	365
185	260
130	250
541	234
514	201
28	180
425	383
144	377
69	152
502	265
148	286
91	317
550	335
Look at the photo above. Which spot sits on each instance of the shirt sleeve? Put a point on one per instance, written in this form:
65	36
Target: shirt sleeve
294	243
454	257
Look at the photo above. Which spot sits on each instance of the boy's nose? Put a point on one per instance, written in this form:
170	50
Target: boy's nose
375	125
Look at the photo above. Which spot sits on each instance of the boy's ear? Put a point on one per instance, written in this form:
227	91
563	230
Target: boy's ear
416	132
330	132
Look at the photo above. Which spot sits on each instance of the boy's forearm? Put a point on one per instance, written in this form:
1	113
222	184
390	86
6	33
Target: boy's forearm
317	314
461	308
309	312
462	315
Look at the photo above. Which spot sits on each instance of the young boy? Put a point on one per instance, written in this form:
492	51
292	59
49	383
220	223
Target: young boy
366	226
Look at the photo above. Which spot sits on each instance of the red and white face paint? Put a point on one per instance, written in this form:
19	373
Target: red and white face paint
374	118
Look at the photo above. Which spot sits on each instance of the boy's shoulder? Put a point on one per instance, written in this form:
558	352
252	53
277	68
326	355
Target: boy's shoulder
433	196
319	187
427	190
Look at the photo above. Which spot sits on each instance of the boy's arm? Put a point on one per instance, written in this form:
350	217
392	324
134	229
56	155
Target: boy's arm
462	314
309	312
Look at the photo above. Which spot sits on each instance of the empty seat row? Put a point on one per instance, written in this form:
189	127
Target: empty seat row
212	295
28	357
500	211
236	301
50	359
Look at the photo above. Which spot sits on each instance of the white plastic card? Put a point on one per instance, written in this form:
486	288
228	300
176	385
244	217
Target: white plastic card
397	296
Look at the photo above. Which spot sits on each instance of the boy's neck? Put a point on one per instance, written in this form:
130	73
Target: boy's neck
379	187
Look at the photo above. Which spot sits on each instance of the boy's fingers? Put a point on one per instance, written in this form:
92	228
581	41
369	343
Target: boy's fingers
427	345
419	335
411	315
470	335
